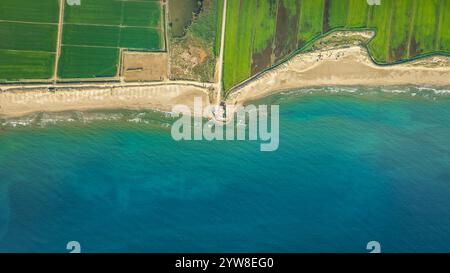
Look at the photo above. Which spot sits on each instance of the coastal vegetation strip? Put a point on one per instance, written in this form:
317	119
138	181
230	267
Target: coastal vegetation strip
28	38
42	11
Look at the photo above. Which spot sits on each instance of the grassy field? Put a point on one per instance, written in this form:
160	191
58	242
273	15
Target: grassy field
259	33
107	36
358	19
28	38
238	39
88	62
140	38
98	27
262	32
99	12
444	30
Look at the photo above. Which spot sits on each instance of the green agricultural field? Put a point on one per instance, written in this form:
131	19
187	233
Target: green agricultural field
88	35
272	29
400	30
263	42
88	62
381	20
24	36
28	31
288	17
358	19
141	14
17	65
265	23
311	20
97	27
100	12
43	11
444	30
426	24
140	38
336	13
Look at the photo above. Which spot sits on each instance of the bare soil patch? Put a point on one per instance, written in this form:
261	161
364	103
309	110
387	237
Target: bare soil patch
144	66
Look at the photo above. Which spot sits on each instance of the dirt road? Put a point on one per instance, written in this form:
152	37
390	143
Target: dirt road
58	44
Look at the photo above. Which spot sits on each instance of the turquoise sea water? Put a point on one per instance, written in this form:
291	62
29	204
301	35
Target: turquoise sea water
350	169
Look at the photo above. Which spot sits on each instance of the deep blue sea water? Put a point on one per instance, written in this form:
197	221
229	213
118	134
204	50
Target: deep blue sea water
350	169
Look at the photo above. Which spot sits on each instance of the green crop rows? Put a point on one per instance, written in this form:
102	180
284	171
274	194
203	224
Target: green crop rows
28	38
263	32
95	31
93	34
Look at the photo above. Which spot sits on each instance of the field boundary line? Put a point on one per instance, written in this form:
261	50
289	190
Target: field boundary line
28	51
166	18
91	46
439	23
27	22
411	28
104	25
138	1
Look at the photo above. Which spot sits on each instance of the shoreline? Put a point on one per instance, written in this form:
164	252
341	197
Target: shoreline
16	103
347	66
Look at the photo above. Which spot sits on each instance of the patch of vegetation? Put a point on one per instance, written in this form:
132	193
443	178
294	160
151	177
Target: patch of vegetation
42	11
28	38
